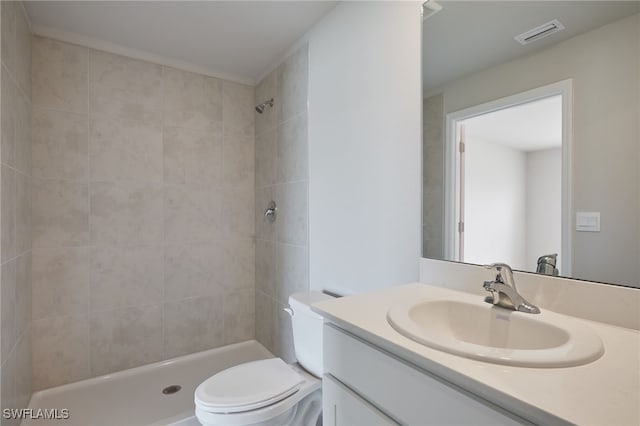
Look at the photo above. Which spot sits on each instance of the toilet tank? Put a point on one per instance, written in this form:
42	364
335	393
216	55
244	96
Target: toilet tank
307	330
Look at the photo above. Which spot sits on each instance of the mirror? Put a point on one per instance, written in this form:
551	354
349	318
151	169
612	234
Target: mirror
545	98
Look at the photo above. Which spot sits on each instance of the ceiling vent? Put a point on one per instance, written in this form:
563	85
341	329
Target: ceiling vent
539	32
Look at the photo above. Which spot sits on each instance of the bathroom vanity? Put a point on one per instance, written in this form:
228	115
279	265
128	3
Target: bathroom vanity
375	374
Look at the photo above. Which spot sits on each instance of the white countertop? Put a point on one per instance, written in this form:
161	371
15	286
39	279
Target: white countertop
604	392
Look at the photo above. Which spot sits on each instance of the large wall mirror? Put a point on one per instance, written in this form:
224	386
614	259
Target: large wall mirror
531	141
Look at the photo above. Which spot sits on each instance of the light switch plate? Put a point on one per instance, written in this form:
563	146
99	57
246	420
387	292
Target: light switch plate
588	221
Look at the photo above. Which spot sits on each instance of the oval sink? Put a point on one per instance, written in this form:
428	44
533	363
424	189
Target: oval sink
489	333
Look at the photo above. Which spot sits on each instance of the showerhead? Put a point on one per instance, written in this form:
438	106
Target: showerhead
260	108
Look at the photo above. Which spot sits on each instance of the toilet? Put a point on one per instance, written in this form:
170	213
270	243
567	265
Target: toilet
271	392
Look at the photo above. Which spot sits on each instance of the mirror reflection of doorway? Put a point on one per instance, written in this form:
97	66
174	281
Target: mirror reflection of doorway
508	200
512	185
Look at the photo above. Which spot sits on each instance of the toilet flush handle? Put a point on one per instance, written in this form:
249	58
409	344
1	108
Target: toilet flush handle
289	311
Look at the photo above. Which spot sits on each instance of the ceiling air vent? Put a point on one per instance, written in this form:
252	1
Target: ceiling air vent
540	32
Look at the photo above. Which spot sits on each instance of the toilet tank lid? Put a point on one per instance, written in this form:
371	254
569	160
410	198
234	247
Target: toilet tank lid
308	297
301	302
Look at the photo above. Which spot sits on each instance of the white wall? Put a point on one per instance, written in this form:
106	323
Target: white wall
365	146
544	201
495	201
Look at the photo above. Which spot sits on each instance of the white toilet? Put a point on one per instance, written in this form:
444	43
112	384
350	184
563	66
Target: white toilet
271	392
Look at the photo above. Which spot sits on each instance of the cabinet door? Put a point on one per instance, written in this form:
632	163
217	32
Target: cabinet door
407	394
342	407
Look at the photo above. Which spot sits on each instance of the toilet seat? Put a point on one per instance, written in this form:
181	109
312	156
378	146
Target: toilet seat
248	386
254	392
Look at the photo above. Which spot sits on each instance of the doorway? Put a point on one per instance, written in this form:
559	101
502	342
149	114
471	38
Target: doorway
509	168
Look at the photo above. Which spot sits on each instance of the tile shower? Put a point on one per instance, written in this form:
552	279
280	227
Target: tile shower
281	175
432	177
15	228
132	210
142	212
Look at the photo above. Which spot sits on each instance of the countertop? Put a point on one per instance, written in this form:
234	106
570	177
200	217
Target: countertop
604	392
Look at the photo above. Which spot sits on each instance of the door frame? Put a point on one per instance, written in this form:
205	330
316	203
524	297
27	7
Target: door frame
452	159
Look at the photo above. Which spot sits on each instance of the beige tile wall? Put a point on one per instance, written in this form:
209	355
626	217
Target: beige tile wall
433	177
143	212
282	260
15	228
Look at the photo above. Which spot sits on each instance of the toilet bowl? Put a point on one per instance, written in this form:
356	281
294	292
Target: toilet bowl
271	392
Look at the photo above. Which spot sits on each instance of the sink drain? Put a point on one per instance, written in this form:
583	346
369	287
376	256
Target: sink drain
169	390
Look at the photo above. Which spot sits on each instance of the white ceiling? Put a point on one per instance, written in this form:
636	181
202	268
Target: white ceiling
233	39
469	36
241	40
527	127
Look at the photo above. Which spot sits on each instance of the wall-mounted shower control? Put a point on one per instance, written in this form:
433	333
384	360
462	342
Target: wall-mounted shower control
271	211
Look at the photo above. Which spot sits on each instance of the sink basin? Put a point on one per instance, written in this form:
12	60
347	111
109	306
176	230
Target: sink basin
493	334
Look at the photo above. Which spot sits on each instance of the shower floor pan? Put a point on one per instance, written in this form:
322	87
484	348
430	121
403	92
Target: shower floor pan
155	394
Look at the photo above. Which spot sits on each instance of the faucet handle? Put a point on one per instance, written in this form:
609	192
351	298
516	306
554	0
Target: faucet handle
547	264
551	259
503	290
504	273
499	267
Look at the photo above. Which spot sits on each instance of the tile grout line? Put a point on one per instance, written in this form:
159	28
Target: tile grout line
15	82
221	197
115	117
15	207
88	183
3	361
163	319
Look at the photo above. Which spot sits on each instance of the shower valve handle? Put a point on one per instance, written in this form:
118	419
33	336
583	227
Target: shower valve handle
271	211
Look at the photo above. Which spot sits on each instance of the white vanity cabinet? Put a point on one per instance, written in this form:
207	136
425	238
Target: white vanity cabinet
364	385
342	406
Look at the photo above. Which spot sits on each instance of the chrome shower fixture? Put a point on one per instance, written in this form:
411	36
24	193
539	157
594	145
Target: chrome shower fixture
260	108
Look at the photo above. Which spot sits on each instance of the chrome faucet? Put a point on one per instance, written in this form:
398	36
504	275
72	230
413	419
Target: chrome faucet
503	290
547	264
